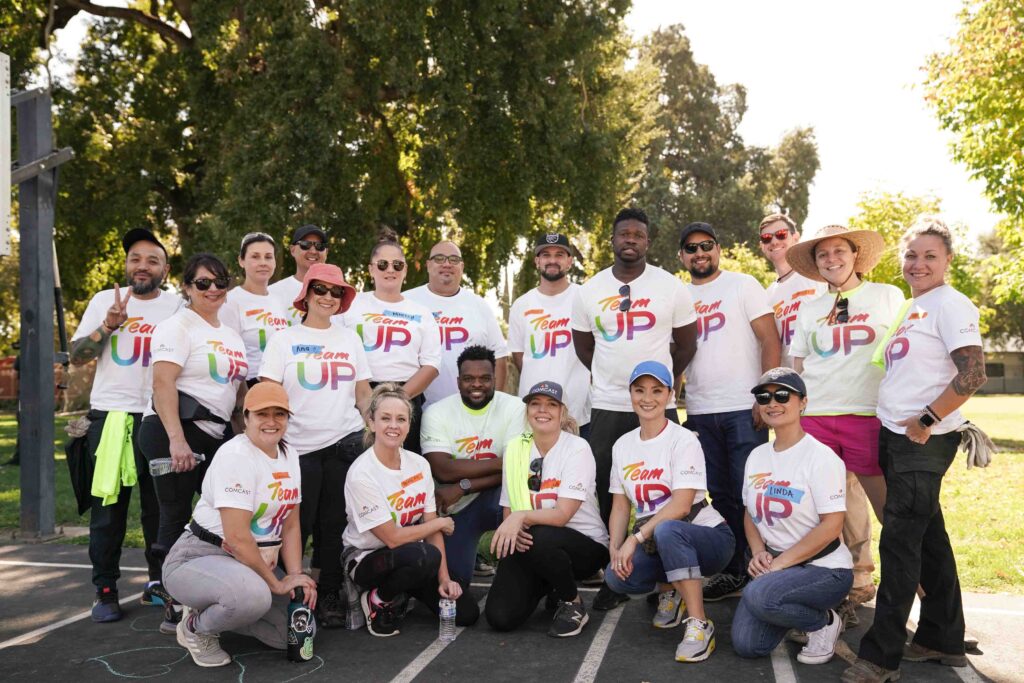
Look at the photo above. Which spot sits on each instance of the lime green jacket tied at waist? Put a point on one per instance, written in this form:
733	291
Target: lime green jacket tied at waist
517	472
115	458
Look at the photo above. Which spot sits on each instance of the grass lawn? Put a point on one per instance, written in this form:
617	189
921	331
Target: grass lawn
984	508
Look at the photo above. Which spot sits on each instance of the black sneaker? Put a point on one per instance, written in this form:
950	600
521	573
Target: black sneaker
722	586
155	595
106	607
569	620
607	599
330	610
172	617
380	619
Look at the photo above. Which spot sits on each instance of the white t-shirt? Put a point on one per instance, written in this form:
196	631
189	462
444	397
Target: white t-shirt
837	358
255	317
728	359
917	362
243	477
212	361
124	373
647	472
375	494
539	327
319	370
660	303
568	471
786	298
399	338
449	426
463	320
786	493
285	290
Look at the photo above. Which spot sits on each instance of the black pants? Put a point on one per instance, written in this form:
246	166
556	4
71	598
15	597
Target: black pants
107	523
914	548
175	490
411	569
412	441
606	426
322	513
558	558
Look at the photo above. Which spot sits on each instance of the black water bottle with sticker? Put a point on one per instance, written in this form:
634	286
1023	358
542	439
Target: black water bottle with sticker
301	628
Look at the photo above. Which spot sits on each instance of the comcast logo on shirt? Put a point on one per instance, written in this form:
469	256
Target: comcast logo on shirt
237	488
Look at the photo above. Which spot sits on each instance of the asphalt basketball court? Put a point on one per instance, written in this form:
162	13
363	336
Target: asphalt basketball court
46	635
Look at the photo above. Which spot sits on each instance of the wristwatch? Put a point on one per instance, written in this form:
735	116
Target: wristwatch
465	485
926	420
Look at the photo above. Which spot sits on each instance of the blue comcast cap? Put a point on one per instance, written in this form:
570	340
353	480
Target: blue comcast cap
653	369
549	389
784	377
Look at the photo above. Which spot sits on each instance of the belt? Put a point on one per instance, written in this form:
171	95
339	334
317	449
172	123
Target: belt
203	535
695	510
827	550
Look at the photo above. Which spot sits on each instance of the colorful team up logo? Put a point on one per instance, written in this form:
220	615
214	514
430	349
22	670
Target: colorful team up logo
140	340
842	337
549	333
648	490
452	330
547	496
333	367
279	492
899	344
785	315
474	448
775	499
407	508
266	320
236	368
710	319
389	329
625	324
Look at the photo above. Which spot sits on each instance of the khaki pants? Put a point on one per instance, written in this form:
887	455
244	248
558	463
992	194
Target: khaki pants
857	531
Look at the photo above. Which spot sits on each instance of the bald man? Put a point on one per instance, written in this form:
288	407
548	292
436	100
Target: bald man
464	319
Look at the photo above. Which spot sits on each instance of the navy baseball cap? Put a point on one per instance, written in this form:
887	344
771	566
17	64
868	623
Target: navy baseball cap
549	389
304	231
784	377
140	235
697	227
652	368
552	239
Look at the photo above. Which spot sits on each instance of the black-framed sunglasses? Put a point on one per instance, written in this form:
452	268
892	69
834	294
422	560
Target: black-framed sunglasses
320	289
397	264
627	301
306	245
439	259
763	398
706	245
840	311
780	235
204	283
535	480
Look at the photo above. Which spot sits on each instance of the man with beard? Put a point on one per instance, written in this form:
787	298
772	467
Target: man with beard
540	334
308	247
116	329
463	437
736	342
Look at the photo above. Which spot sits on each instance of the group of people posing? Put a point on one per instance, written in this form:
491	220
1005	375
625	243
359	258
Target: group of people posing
376	424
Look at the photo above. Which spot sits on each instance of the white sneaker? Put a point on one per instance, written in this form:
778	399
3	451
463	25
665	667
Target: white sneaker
698	642
670	610
205	649
821	644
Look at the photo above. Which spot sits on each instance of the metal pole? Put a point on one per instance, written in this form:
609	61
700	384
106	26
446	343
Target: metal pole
35	388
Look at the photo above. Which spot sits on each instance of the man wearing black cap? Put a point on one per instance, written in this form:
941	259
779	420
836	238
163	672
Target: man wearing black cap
540	333
308	247
116	330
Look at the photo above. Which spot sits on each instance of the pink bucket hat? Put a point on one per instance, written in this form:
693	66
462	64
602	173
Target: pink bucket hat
328	274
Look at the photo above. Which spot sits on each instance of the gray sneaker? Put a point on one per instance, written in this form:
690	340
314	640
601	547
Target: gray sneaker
205	649
698	642
670	610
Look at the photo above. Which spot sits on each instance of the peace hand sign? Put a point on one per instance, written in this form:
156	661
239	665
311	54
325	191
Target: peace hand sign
117	314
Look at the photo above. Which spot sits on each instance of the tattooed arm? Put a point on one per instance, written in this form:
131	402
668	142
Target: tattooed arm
970	376
88	348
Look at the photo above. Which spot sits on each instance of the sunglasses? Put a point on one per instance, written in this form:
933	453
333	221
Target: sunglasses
320	289
780	235
204	283
840	312
536	467
399	266
706	245
441	258
763	398
306	245
626	300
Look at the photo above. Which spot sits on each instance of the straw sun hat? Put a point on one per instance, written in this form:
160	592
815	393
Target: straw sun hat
869	245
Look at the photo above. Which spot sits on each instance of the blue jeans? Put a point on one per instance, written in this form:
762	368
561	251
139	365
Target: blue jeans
483	514
797	597
685	551
727	439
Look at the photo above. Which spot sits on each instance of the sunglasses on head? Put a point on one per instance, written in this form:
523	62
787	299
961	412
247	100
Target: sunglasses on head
398	265
706	245
780	395
204	283
320	289
441	258
306	245
536	467
626	300
780	235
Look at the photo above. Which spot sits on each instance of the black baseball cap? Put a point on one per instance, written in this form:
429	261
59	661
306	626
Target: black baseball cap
784	377
305	231
140	235
552	239
697	227
549	389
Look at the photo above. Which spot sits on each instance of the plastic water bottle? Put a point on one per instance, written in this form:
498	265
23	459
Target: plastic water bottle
446	630
301	629
161	466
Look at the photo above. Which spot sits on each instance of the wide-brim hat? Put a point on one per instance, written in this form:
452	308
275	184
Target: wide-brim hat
328	274
870	248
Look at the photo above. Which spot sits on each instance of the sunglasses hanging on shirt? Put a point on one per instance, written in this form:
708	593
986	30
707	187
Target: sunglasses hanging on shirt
536	467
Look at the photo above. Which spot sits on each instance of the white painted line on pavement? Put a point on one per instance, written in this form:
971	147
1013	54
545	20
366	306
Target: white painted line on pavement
782	667
18	640
967	673
595	654
61	565
423	659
